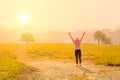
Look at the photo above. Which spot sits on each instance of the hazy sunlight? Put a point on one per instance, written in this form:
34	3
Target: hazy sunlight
24	18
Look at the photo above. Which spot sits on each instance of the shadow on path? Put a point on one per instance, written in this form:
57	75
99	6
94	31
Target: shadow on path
84	69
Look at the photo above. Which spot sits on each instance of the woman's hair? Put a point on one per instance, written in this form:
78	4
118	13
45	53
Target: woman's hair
77	39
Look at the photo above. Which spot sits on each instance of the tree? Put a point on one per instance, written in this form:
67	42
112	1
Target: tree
27	37
107	40
99	36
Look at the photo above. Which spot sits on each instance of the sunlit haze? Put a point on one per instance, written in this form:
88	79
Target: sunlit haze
60	39
61	15
51	20
23	18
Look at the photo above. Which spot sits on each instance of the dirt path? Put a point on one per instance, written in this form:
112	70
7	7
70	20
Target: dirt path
56	70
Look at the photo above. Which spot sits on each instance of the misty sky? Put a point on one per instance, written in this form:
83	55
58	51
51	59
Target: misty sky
60	15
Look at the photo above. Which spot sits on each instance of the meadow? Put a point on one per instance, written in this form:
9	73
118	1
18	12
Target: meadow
99	54
9	66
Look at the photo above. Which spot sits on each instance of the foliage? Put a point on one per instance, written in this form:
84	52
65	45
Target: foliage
7	48
58	51
9	66
107	40
101	37
100	54
27	37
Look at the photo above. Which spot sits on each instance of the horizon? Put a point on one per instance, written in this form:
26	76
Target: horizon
13	36
59	39
2	26
51	20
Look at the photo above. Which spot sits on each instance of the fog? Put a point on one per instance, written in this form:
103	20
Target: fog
13	36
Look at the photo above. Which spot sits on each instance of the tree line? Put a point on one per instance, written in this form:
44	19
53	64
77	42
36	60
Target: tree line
98	35
102	38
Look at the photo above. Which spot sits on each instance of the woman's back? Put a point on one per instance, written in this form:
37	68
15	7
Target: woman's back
77	44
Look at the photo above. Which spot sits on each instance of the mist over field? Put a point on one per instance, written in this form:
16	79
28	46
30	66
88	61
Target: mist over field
39	40
50	20
13	35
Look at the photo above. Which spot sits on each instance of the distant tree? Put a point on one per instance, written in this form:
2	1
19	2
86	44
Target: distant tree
99	36
27	37
107	40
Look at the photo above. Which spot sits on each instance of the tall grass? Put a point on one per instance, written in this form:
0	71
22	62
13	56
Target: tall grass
100	54
9	67
8	48
59	51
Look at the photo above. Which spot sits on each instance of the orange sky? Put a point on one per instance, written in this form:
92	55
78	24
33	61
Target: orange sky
60	15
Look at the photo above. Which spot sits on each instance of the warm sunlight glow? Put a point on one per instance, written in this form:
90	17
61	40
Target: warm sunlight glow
24	18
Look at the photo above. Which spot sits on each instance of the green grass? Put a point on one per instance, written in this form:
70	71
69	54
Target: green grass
100	54
58	51
10	68
8	48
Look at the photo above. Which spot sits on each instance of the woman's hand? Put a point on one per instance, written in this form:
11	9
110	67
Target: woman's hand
84	33
69	33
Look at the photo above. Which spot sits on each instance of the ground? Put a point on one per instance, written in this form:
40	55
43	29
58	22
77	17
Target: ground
65	70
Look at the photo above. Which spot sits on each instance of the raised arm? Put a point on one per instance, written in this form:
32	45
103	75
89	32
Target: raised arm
82	36
71	37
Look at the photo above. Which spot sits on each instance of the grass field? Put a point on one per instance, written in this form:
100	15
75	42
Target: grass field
100	54
8	48
9	67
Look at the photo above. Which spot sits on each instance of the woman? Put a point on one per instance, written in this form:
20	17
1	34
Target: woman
77	43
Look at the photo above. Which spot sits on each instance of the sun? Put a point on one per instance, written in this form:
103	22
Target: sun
24	18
